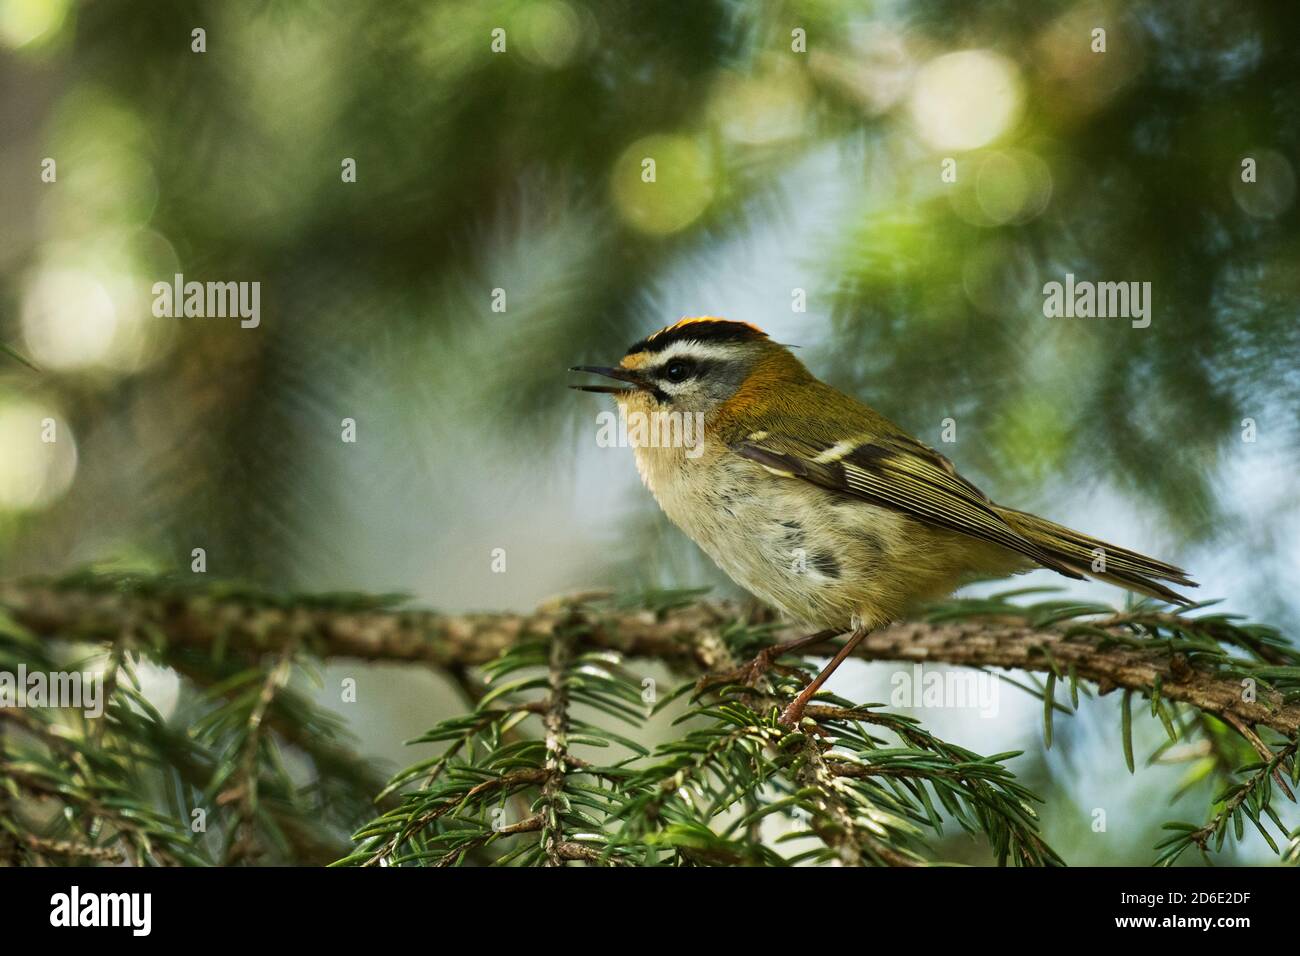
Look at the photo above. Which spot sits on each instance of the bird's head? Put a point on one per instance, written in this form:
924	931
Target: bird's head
699	364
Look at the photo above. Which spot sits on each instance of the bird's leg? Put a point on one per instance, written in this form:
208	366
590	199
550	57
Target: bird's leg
764	660
791	716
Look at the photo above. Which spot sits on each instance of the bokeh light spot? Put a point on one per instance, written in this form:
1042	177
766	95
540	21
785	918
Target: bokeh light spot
69	319
549	33
682	188
1071	74
1273	190
24	22
1012	186
965	100
33	471
88	305
1001	187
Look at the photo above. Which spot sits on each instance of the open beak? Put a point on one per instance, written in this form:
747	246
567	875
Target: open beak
619	374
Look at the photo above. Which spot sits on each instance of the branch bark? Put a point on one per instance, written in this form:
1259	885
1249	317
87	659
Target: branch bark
687	638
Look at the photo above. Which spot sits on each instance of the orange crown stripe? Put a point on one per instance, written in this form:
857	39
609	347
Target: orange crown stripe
692	319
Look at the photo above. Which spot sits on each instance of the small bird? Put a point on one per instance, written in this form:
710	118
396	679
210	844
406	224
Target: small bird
819	505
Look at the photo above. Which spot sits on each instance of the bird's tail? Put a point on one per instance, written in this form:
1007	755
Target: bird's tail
1097	559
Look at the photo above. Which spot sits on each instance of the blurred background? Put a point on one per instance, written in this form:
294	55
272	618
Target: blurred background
499	230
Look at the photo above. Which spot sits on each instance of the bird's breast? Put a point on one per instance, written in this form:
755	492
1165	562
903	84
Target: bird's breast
812	554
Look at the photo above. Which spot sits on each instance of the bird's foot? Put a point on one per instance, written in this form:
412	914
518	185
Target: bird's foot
792	716
764	661
747	675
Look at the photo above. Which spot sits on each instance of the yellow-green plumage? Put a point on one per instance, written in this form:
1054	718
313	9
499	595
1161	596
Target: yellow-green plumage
822	506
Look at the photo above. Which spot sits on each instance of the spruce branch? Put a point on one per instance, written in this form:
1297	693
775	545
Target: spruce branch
1186	656
555	720
242	790
1242	800
867	784
132	782
10	837
458	809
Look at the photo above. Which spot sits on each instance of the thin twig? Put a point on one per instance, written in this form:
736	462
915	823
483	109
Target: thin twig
556	723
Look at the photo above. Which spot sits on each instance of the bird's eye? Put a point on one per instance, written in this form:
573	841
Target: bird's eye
677	371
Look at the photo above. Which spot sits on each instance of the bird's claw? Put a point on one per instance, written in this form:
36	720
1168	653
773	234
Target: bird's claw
747	675
792	716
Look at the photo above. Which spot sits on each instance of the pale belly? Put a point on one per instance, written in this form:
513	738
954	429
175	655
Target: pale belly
825	560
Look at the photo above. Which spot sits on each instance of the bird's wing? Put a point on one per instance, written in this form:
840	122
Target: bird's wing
897	472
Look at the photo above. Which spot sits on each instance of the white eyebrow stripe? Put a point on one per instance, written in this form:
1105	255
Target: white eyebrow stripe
689	349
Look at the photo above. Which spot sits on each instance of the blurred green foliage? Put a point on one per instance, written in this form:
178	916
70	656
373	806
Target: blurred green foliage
521	171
